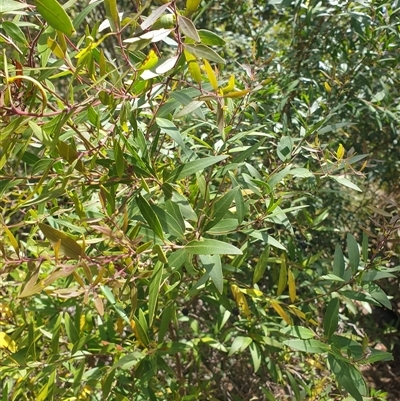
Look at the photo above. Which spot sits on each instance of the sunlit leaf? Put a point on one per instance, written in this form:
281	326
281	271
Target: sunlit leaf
68	246
55	15
211	247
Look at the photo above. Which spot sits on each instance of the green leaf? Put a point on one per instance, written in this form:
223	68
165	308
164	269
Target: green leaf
210	38
14	32
83	14
211	247
187	28
373	275
119	159
55	15
283	276
240	206
190	108
242	156
348	377
70	329
166	319
150	217
311	346
261	265
338	262
331	317
193	167
347	183
220	207
177	258
202	51
154	16
9	6
118	308
214	343
285	147
354	253
169	223
294	386
365	247
128	360
69	154
154	290
173	209
377	355
378	294
45	197
239	344
212	264
299	332
256	356
112	14
68	246
172	130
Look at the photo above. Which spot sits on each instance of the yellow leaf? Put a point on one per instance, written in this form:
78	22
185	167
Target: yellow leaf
364	165
13	241
6	342
279	310
292	286
295	311
193	67
327	87
85	51
55	48
191	7
240	299
211	75
252	292
150	61
236	94
340	152
231	85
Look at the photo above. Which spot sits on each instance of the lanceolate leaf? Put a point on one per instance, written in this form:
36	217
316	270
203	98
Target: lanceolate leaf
168	222
150	216
191	7
221	206
193	67
193	167
210	38
348	377
154	290
211	247
68	246
188	28
202	51
311	346
55	15
112	14
155	15
212	264
211	75
261	265
354	253
338	263
331	318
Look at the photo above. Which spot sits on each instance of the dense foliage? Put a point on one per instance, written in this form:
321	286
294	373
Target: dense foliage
186	197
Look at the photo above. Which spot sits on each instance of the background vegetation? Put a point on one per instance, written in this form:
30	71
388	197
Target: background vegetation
198	199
